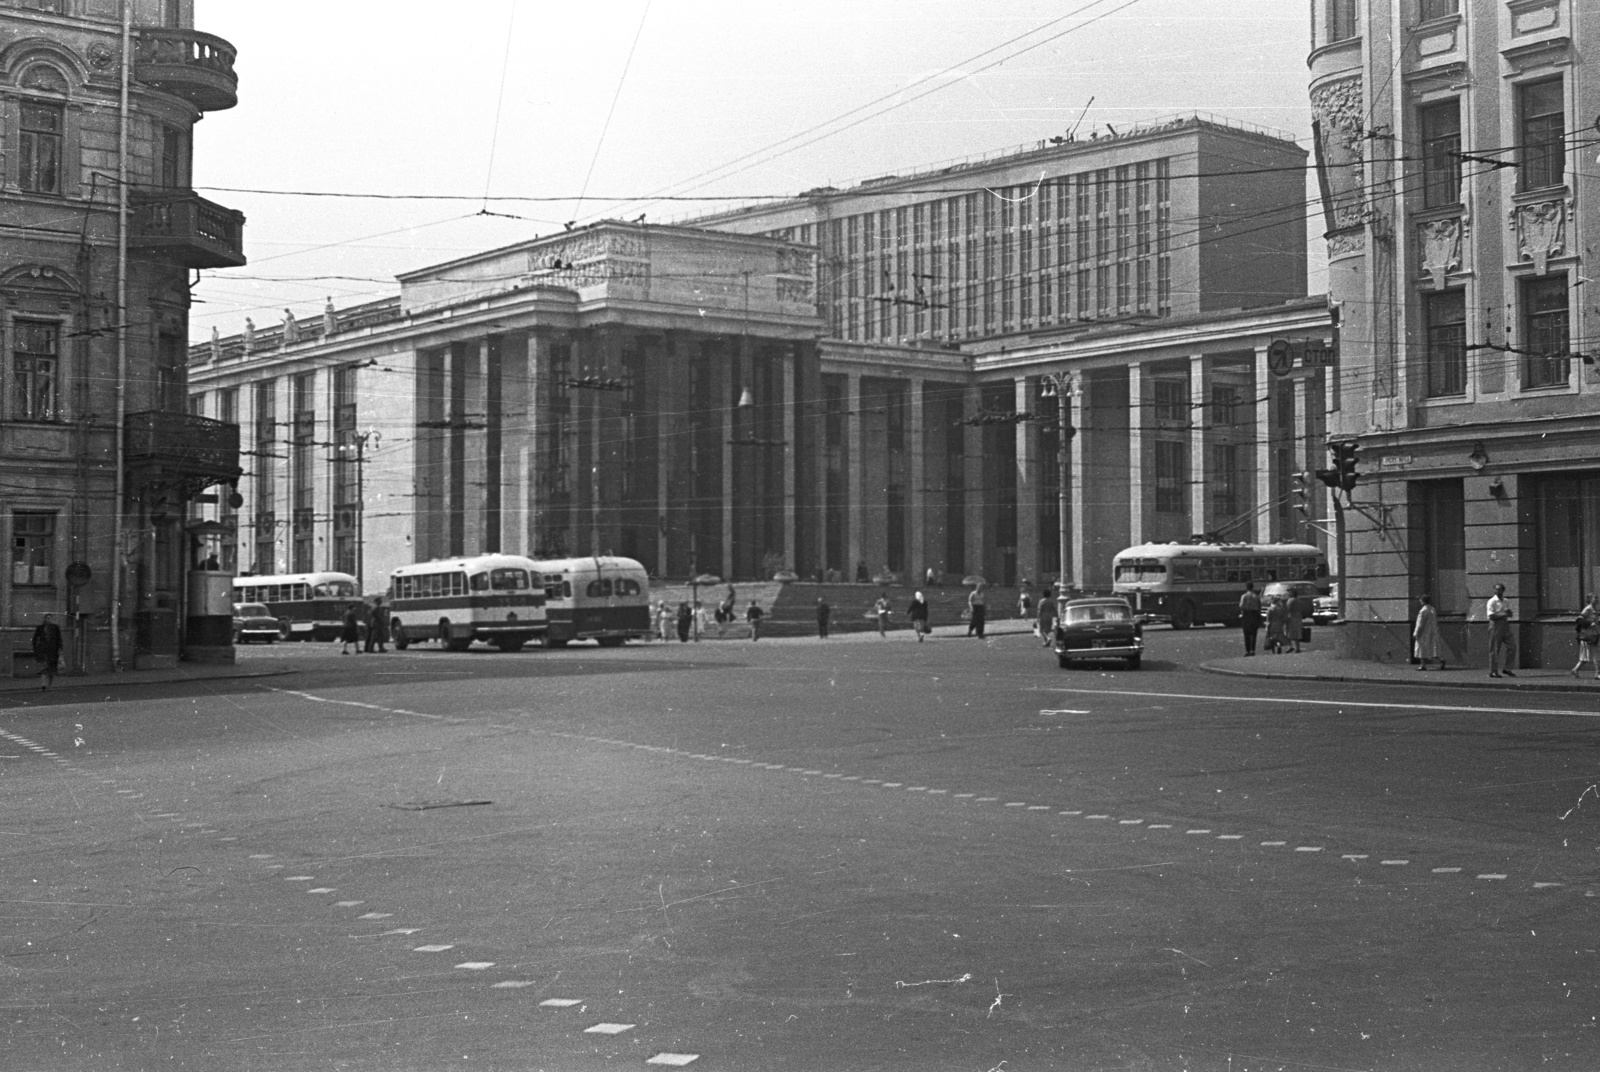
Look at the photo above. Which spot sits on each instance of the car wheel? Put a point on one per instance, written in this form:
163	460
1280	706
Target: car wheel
1184	617
1063	662
283	630
509	645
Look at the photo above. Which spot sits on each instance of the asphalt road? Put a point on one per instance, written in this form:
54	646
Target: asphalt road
855	854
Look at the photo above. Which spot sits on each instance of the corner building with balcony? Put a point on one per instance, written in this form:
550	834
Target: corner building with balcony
1456	141
94	322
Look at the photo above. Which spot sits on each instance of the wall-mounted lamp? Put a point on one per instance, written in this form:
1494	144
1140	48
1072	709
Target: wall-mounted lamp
1497	489
1479	457
746	399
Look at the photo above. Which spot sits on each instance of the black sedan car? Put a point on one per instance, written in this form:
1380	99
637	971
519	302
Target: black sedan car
1089	630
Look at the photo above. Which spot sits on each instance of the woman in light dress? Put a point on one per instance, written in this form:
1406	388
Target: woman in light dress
1425	636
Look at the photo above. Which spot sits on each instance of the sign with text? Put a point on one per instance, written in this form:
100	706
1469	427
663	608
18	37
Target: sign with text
1285	356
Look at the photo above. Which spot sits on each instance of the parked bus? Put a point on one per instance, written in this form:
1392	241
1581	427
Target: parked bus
599	598
308	606
1194	583
494	598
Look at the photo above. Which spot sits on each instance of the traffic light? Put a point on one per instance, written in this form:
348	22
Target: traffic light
1345	459
1302	494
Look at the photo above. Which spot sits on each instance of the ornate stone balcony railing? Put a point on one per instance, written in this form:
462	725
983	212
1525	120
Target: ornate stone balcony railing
195	66
194	232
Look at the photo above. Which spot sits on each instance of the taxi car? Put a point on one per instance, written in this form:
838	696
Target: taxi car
1102	628
253	621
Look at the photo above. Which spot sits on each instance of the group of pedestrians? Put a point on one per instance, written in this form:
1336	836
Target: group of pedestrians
365	628
1284	617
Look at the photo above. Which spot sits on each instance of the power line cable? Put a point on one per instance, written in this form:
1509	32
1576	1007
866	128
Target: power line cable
615	96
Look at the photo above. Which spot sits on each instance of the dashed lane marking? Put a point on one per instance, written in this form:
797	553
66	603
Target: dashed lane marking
375	915
1393	863
432	948
513	984
561	1003
1447	870
1493	877
609	1029
347	904
1280	701
1273	844
676	1060
475	965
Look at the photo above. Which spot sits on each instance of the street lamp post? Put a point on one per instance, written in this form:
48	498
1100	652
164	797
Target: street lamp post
1059	385
358	442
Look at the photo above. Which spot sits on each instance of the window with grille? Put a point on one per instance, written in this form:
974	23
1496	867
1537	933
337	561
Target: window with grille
1171	398
35	370
1341	20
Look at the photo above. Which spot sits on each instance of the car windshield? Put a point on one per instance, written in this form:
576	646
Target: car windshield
1098	612
251	610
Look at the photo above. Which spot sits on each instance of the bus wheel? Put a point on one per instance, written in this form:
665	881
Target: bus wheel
1184	618
554	642
609	641
283	629
509	644
397	633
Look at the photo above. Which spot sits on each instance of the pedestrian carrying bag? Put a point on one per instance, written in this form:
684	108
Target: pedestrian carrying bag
1589	634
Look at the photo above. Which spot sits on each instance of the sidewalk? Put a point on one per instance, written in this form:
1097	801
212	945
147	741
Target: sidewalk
1322	666
181	672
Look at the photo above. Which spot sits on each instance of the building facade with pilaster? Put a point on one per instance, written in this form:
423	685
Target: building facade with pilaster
95	438
627	389
1455	146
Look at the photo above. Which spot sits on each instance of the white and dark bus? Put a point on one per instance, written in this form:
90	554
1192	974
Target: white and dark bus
1194	583
600	597
308	606
499	599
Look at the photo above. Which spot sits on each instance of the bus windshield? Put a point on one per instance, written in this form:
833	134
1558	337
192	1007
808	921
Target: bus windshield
509	580
1135	570
334	590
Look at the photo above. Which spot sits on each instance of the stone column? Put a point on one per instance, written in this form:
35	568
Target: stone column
918	560
1139	503
1199	388
517	438
977	536
1262	434
854	536
723	380
791	454
1027	480
1077	449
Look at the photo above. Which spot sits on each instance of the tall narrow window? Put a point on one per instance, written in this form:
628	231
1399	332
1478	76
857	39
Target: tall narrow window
39	148
1341	20
1545	331
172	384
1446	329
35	366
1428	10
1172	477
1541	116
171	177
1440	127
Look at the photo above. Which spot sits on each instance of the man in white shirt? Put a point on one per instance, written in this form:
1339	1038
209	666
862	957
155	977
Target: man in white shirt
1499	609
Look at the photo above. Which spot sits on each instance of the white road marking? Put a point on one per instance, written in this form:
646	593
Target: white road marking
375	915
1393	863
1447	870
323	889
677	1060
431	948
1280	701
1230	837
561	1003
1129	822
346	904
1547	885
1308	848
933	792
513	984
1201	830
1153	826
1493	877
1017	804
298	878
608	1029
476	965
402	930
1278	844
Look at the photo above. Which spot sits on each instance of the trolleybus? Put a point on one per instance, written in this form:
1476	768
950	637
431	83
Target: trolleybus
601	598
495	598
1194	583
308	606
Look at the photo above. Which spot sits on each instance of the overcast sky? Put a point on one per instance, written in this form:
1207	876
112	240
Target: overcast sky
624	99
